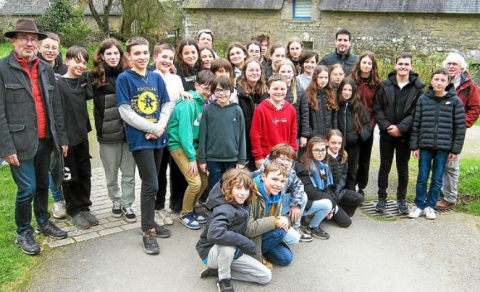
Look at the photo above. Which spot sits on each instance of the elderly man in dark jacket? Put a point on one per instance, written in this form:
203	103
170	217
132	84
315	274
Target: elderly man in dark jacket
342	54
31	126
393	107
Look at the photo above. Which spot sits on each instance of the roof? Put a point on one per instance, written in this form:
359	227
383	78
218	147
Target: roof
38	7
233	4
405	6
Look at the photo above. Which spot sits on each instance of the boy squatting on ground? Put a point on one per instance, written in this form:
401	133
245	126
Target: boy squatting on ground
223	246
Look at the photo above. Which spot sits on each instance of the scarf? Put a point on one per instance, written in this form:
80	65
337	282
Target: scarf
323	179
271	202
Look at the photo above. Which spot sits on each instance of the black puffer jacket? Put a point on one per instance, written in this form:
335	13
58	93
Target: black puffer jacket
312	192
339	174
323	120
345	124
301	108
439	122
347	61
226	226
108	123
385	108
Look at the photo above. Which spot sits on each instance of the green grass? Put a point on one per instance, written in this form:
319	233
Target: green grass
469	186
14	264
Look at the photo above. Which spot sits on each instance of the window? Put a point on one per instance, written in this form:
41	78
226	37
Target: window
302	9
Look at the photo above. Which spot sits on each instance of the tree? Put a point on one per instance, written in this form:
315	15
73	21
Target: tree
56	17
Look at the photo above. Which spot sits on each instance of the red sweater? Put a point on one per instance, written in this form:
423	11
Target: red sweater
367	94
271	127
470	96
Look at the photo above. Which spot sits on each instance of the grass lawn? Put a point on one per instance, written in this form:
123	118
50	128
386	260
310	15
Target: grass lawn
469	186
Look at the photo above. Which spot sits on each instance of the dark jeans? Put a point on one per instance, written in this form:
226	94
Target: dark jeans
162	181
274	249
347	207
31	177
353	157
434	161
148	162
402	155
178	185
77	184
364	163
216	170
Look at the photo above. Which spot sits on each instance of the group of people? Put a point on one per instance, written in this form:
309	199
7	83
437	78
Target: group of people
302	125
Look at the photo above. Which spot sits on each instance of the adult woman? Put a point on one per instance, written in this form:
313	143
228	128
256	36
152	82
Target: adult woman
236	54
251	90
365	74
187	64
295	49
277	54
109	61
308	61
207	55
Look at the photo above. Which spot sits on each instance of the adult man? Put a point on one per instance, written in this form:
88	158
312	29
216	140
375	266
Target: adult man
342	54
205	38
393	106
31	126
49	51
469	94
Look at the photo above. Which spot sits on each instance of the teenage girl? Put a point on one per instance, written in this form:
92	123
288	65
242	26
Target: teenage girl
322	102
295	49
254	50
347	200
365	74
207	55
277	54
222	67
297	97
336	75
354	123
237	54
251	90
308	61
187	63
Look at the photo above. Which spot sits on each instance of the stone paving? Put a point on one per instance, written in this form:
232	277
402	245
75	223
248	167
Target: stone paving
101	207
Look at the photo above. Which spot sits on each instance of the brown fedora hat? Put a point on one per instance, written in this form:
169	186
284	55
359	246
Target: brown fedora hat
27	26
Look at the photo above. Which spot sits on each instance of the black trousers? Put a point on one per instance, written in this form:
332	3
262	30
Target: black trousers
347	207
353	157
364	163
178	185
401	150
77	184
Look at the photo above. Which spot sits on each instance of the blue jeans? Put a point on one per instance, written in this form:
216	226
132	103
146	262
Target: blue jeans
31	177
216	169
435	161
274	249
287	198
320	208
57	194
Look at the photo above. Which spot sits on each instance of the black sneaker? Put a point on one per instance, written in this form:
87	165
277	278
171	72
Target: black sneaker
117	210
161	231
381	205
402	207
318	233
27	243
130	216
209	273
80	221
51	231
91	218
150	245
225	286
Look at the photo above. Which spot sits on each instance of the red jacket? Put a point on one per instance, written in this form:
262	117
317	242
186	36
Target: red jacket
470	96
367	94
271	127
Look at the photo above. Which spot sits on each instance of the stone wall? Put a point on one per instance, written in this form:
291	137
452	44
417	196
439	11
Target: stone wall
383	33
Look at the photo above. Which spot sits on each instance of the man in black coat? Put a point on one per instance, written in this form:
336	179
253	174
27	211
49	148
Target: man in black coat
342	54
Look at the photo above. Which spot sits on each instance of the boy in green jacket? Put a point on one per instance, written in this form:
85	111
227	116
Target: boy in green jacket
183	134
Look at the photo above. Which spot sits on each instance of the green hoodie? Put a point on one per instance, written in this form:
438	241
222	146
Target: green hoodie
184	125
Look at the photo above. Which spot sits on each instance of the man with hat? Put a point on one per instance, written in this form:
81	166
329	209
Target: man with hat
31	127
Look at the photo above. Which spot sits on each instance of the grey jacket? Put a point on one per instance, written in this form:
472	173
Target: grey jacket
18	119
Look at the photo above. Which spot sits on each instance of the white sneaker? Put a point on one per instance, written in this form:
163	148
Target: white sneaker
59	210
159	218
430	213
165	216
415	212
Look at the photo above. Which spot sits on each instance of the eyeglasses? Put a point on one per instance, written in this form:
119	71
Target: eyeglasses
285	159
222	91
452	64
47	48
319	151
25	40
254	71
205	88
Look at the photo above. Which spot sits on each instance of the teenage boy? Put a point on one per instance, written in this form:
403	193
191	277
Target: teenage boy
49	51
264	40
77	183
222	133
294	197
342	54
143	103
274	121
393	107
183	132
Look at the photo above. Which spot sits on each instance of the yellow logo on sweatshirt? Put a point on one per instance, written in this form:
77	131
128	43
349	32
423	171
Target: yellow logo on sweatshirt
147	103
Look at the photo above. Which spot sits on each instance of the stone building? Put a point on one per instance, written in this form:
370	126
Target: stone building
425	27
